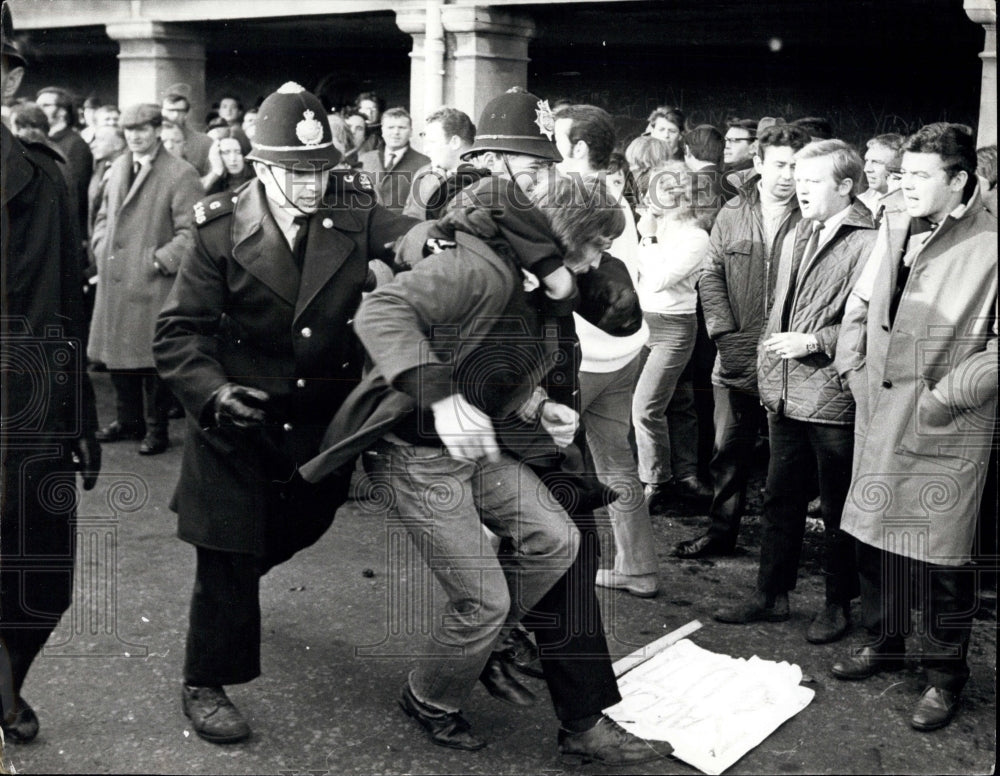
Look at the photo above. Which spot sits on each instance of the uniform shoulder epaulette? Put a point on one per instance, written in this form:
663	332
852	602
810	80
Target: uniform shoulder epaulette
354	180
206	210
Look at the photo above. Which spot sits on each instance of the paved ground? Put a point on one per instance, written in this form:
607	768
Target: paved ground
107	688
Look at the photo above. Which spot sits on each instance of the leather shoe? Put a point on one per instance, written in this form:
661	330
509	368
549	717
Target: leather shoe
609	743
935	709
639	585
757	608
154	444
23	725
501	684
213	716
445	728
520	652
692	488
703	547
116	432
866	661
830	624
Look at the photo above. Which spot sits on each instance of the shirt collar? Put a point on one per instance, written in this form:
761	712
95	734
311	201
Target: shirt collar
833	222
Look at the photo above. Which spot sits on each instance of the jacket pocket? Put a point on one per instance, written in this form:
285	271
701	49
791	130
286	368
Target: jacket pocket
924	437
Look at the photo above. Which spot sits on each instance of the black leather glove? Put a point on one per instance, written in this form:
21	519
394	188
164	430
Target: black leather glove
240	406
87	459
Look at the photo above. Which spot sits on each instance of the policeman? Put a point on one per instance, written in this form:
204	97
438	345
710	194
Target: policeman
256	341
47	413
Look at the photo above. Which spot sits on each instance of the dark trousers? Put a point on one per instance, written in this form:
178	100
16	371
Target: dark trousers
136	389
891	585
738	417
223	641
569	632
800	451
37	546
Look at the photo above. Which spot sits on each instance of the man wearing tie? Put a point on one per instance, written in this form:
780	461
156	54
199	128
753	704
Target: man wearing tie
394	167
810	412
142	232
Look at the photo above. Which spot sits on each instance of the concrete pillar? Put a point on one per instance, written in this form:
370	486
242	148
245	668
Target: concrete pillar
152	57
984	12
485	53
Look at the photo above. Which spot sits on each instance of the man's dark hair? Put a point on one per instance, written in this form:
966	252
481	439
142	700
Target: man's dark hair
954	143
705	143
27	115
747	125
674	115
782	135
594	127
397	113
817	127
373	96
454	122
173	98
63	100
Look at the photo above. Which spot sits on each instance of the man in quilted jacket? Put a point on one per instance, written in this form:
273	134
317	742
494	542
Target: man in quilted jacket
810	411
735	290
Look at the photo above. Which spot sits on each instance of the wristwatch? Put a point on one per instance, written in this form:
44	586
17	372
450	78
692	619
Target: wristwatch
651	240
812	346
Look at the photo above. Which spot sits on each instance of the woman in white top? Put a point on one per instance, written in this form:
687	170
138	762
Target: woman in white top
673	245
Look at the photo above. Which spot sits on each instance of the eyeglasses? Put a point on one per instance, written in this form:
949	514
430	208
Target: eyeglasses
733	140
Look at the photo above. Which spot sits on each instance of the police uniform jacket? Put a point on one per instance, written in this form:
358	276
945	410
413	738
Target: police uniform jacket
241	311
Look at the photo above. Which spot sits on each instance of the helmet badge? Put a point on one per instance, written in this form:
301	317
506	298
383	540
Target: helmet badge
544	119
309	131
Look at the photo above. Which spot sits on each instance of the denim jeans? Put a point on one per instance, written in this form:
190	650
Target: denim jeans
671	342
605	406
738	417
443	503
798	451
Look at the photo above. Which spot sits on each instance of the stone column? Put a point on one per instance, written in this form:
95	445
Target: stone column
152	57
485	53
984	12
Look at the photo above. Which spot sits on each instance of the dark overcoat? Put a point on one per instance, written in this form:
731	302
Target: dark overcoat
241	311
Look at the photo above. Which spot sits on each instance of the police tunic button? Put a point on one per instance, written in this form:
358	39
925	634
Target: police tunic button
307	332
327	223
287	427
349	321
300	383
345	365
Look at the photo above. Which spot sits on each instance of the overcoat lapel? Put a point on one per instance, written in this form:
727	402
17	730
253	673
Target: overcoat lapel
325	253
260	247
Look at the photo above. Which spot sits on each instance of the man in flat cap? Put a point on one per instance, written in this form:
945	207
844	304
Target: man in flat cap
143	230
256	341
47	414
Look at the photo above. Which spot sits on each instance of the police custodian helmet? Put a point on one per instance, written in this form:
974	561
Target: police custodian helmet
293	131
516	122
9	49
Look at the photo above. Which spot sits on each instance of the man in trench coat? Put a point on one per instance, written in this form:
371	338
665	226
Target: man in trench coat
256	341
918	347
143	231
